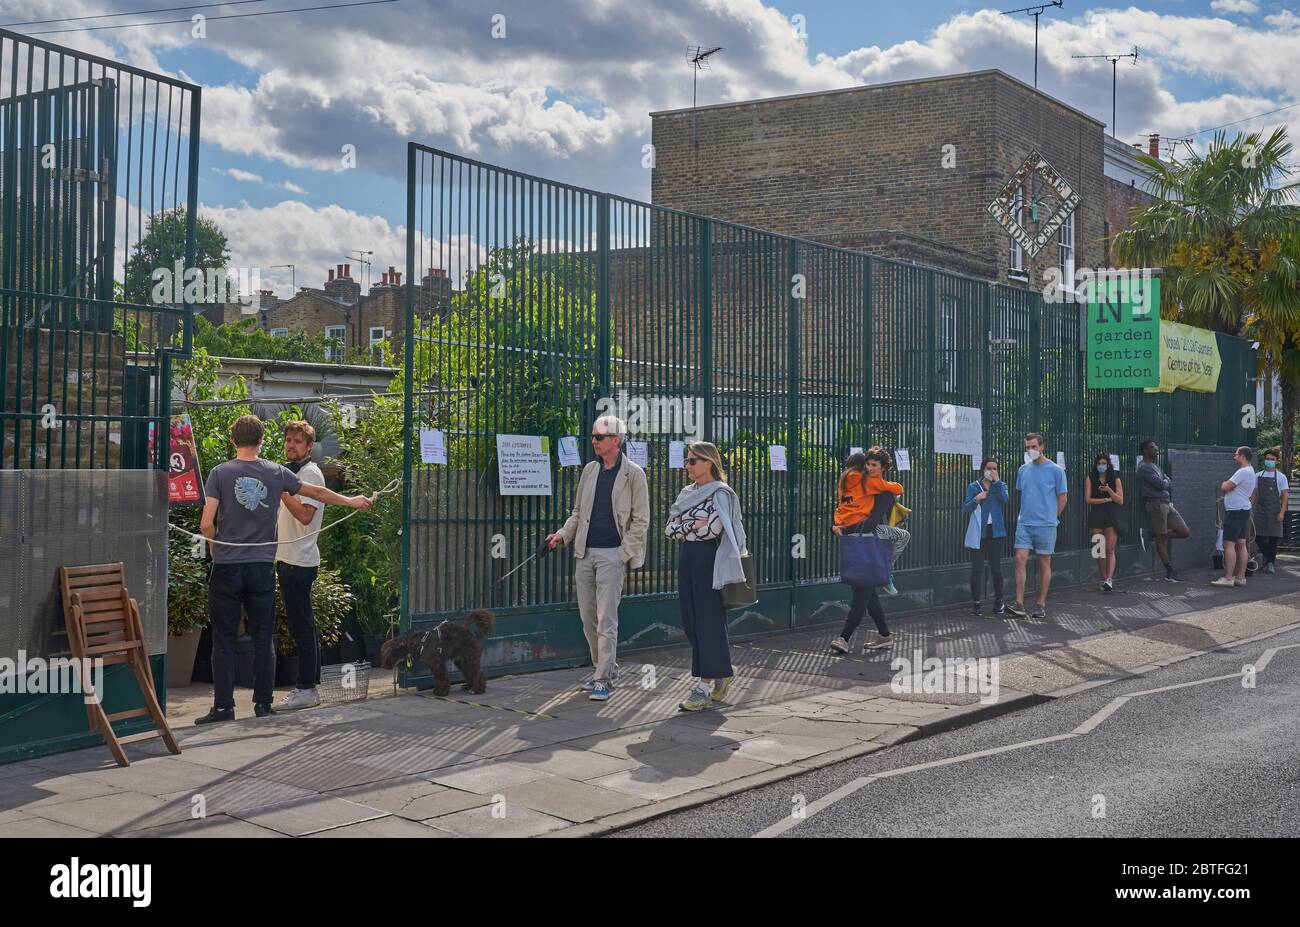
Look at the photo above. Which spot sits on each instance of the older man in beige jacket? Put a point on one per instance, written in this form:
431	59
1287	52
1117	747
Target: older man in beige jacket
607	530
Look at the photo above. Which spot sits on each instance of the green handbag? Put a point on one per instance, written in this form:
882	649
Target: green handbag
741	594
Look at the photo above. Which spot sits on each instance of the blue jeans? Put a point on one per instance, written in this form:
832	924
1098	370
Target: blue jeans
234	588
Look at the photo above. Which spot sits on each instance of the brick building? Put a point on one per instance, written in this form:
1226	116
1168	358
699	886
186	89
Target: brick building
868	168
361	324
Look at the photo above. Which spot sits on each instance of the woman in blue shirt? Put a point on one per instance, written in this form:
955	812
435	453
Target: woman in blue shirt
986	533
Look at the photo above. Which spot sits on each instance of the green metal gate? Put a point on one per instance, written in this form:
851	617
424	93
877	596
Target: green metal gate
563	296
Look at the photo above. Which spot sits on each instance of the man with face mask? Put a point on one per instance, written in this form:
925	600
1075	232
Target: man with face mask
1043	493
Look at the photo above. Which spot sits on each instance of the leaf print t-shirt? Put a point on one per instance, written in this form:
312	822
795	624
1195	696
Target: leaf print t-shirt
248	497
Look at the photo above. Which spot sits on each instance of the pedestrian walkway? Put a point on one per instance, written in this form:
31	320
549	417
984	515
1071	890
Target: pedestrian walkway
533	756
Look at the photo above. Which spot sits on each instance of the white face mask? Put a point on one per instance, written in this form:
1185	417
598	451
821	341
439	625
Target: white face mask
1034	455
990	475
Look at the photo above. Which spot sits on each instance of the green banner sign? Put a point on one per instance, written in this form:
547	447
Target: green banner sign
1124	331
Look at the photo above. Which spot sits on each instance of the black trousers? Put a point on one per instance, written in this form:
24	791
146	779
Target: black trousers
990	551
703	618
235	588
295	589
1267	547
865	600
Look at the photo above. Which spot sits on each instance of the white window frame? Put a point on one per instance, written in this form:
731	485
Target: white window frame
376	341
341	337
1066	257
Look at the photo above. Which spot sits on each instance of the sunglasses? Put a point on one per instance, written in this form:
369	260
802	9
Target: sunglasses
694	460
600	437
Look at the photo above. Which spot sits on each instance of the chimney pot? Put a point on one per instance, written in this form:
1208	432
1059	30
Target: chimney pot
331	275
383	280
397	278
1153	146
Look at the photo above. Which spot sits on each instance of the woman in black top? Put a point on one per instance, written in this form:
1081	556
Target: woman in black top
1104	495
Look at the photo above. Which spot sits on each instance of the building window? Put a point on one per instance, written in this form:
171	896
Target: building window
377	344
1017	257
1065	241
279	333
335	340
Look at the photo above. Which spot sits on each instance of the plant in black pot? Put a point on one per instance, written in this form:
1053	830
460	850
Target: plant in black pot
331	602
187	608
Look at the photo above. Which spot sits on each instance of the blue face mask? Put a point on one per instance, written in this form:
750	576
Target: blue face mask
1270	464
1101	468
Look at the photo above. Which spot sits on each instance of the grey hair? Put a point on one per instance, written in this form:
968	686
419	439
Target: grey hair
611	425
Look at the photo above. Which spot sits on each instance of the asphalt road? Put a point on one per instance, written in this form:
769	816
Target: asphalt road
1216	759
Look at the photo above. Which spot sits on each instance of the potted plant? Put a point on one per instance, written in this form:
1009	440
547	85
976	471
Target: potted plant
187	611
331	601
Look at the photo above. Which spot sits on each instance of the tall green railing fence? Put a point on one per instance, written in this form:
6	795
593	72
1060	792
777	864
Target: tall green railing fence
90	151
564	296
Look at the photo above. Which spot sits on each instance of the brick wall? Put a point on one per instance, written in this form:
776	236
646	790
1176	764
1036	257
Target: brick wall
864	167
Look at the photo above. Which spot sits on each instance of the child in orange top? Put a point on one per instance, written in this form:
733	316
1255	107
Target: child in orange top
859	488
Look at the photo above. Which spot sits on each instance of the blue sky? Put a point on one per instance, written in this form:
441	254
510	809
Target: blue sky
566	90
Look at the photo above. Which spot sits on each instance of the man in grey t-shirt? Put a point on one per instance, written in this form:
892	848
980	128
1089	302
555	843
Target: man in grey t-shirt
239	518
1166	523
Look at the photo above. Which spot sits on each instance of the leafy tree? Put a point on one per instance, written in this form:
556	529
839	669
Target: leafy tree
163	244
1227	233
246	338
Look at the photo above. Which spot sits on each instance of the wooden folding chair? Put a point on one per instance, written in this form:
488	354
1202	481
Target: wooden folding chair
103	623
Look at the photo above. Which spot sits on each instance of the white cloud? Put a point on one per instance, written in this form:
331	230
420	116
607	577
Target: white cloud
294	188
235	173
1233	6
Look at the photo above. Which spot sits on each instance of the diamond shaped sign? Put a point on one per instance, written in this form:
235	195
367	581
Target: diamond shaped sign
1003	208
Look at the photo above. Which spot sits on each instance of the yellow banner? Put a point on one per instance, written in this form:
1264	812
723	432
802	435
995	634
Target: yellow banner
1189	359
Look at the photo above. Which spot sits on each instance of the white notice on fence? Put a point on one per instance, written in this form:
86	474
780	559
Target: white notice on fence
1114	461
975	461
957	429
776	453
433	446
639	453
676	455
1060	459
855	450
902	458
524	465
569	456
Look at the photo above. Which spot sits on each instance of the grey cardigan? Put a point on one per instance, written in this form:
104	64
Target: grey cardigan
726	566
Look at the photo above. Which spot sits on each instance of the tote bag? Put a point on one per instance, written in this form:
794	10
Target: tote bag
865	560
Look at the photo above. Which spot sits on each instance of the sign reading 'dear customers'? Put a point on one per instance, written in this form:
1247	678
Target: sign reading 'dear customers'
523	465
1124	331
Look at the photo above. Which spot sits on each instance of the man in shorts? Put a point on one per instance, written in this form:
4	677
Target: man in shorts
1237	504
1043	494
1166	524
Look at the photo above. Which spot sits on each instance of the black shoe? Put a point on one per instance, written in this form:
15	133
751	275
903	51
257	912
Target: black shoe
1040	613
263	709
1171	576
1016	610
217	714
999	607
977	609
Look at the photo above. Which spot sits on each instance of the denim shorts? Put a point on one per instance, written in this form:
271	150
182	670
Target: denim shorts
1041	539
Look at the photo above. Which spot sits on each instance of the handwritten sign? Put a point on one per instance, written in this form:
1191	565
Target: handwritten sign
676	454
639	453
902	458
776	455
957	429
433	446
569	456
523	465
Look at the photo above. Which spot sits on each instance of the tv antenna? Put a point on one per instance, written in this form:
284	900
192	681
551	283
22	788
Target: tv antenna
698	56
293	277
362	259
1036	11
1114	77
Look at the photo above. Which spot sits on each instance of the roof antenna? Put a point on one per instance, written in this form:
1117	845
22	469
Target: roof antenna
1114	77
698	56
1035	11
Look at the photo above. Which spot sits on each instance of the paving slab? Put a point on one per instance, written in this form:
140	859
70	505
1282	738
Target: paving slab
220	825
47	787
303	816
573	801
516	821
235	792
651	784
107	814
383	827
26	825
578	765
488	778
412	797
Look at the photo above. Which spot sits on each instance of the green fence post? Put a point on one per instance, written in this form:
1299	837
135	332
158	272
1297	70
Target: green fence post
706	323
929	462
867	326
792	417
408	411
603	358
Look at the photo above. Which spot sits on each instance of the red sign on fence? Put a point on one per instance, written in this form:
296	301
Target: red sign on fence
184	481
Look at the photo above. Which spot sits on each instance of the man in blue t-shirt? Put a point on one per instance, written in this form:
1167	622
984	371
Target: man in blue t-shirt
1043	494
240	518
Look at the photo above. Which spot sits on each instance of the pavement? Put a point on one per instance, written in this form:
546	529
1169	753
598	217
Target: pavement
533	756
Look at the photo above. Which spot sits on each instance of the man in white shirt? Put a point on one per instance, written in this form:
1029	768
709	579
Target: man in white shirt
297	562
1236	517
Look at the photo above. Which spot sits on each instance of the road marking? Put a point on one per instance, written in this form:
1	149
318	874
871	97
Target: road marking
1087	727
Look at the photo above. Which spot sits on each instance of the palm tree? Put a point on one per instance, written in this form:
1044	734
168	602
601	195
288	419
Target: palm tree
1227	234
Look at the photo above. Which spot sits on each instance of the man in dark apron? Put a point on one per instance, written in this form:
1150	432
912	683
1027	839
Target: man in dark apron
1272	493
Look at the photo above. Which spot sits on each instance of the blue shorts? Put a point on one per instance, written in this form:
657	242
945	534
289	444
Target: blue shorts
1234	525
1041	539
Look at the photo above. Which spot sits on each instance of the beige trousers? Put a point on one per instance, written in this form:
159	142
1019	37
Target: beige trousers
599	578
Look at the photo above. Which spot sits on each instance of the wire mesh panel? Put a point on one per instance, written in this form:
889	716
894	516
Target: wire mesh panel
98	166
566	303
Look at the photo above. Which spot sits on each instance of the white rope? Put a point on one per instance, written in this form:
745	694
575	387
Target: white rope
391	487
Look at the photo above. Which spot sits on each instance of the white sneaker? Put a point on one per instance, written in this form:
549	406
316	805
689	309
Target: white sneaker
1223	581
877	641
840	645
298	699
